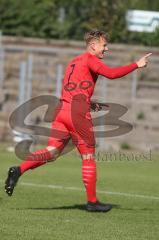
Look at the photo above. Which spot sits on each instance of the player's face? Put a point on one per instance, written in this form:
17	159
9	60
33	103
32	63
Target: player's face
100	47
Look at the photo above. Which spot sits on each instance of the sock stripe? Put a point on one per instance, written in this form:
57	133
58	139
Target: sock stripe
35	159
40	155
89	178
89	175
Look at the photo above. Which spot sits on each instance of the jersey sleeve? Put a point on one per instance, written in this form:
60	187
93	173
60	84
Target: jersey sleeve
98	67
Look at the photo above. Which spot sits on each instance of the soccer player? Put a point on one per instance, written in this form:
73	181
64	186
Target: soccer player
72	118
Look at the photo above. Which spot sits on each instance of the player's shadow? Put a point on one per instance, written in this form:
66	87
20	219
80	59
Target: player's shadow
83	207
73	207
77	206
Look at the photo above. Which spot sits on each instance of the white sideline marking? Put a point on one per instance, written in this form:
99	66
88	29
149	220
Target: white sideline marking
81	189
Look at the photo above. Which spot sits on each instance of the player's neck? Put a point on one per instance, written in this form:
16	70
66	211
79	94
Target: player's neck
89	50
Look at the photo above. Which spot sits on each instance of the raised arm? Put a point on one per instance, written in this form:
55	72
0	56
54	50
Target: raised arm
97	66
116	72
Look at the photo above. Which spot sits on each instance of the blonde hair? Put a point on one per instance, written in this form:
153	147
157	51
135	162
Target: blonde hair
94	34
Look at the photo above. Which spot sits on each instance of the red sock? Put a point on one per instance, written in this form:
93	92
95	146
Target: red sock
89	178
36	159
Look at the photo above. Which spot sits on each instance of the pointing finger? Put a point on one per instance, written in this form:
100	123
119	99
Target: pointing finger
147	55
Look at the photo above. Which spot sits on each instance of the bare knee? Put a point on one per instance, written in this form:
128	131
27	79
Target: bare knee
55	152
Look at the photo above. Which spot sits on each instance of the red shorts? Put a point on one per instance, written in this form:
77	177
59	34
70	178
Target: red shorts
75	125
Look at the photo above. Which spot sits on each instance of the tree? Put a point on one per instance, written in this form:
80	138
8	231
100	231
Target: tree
69	19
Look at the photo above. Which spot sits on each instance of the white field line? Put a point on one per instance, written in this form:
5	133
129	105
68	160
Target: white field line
131	195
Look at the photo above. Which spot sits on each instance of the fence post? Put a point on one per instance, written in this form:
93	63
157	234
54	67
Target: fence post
59	80
102	144
29	76
2	55
134	86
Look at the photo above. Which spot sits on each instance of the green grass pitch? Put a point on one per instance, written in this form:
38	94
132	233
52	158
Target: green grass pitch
48	202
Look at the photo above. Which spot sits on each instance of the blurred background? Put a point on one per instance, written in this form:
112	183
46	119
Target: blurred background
39	37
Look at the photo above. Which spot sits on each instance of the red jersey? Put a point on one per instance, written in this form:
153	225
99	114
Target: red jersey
82	73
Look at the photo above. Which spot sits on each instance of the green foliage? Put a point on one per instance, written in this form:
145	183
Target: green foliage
69	19
125	146
141	116
30	18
